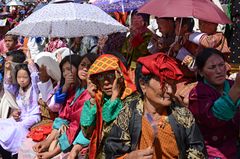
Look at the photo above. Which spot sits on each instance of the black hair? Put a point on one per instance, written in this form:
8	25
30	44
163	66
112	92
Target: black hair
18	56
91	57
189	22
145	17
120	57
14	37
74	60
203	56
22	66
139	76
166	18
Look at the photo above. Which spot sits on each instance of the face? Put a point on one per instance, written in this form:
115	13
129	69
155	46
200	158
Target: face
165	26
105	81
214	70
23	78
137	22
66	69
156	95
207	27
10	43
83	68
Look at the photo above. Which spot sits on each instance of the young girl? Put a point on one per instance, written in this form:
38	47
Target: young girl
26	93
71	95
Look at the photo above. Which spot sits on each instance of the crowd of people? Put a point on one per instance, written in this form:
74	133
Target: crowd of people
126	95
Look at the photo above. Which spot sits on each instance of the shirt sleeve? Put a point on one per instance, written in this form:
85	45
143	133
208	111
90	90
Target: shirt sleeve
224	108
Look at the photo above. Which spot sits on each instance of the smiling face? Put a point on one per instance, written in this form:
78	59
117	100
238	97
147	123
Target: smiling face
156	95
214	70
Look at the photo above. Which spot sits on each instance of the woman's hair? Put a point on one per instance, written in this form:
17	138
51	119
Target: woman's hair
91	57
139	76
74	60
22	67
120	57
203	56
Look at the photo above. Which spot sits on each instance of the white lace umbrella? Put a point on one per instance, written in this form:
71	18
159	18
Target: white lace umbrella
68	20
15	3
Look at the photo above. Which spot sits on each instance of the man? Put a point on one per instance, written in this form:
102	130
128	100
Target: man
167	28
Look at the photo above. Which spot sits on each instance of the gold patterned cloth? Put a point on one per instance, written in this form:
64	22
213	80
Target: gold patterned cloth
165	144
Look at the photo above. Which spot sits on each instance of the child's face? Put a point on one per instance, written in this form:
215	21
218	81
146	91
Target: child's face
10	43
23	78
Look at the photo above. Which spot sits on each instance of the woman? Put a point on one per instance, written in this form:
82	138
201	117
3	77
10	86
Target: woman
26	92
71	95
155	127
214	103
110	90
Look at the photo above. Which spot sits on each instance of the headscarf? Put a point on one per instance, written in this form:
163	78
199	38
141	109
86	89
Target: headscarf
161	65
106	63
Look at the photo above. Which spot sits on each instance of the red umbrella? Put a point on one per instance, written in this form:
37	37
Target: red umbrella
201	9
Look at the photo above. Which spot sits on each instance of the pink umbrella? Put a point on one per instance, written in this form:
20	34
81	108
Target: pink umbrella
201	9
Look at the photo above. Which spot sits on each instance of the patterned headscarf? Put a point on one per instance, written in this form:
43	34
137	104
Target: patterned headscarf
106	63
161	65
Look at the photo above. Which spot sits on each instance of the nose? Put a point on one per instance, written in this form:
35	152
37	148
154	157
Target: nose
218	69
169	89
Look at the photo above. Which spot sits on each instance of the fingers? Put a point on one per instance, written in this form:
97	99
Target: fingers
147	152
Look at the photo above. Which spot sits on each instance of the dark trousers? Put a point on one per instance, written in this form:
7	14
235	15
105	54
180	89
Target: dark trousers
6	154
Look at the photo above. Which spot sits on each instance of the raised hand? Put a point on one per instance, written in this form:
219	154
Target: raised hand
117	85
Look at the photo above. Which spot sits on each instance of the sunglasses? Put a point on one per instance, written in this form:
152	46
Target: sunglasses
105	76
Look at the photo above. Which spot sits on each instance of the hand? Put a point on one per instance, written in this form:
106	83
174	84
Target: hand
69	80
63	129
141	154
40	147
117	85
8	65
92	88
16	114
45	155
237	81
75	151
43	75
187	60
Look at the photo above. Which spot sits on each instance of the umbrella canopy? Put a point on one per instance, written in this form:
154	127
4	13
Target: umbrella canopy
118	5
15	3
200	9
68	20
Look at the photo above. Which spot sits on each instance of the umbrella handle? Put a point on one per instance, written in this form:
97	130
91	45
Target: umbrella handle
176	38
70	59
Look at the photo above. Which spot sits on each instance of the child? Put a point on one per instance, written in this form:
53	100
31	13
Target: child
26	93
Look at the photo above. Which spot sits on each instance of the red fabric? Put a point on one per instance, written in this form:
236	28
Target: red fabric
40	132
160	65
137	40
186	8
72	113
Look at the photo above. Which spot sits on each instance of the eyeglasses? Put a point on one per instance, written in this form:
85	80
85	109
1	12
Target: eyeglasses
106	76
